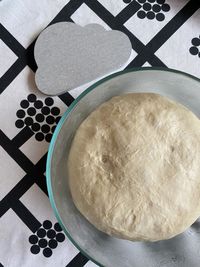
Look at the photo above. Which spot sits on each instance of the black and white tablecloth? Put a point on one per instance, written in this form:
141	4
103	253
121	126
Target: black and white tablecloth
163	33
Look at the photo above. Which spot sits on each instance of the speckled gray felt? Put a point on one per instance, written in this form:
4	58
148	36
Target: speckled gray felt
69	55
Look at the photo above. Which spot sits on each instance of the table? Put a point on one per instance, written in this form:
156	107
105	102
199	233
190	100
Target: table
163	33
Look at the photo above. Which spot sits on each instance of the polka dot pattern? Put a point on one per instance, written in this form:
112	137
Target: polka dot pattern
51	233
49	101
195	48
39	136
41	233
141	14
35	249
55	111
19	124
41	116
196	41
42	243
20	113
28	121
46	238
57	119
48	137
160	17
31	111
165	7
45	110
24	104
50	119
151	9
31	98
127	1
35	127
53	129
156	8
47	224
60	237
33	239
150	15
57	227
45	128
47	252
38	104
53	243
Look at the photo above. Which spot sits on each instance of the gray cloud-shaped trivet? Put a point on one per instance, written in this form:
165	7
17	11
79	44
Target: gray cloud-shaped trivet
69	55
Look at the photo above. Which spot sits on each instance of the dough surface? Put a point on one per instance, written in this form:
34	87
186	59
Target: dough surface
134	167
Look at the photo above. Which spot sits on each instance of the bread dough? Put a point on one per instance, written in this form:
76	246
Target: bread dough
134	167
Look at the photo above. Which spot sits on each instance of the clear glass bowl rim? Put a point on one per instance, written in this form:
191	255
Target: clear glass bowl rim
59	126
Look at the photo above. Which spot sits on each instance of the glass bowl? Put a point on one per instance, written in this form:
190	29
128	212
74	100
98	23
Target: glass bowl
184	249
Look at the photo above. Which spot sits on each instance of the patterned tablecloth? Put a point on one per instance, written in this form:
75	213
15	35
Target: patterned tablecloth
163	33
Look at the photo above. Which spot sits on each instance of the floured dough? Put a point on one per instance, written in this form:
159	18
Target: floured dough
134	167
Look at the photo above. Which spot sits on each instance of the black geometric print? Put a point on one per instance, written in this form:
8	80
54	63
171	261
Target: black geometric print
151	9
41	117
195	48
46	238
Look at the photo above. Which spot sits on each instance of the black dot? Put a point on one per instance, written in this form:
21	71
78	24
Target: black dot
127	1
196	41
141	14
53	128
160	17
42	243
57	227
199	54
20	113
31	111
147	6
49	101
39	136
50	119
194	50
60	237
55	111
31	98
151	1
33	239
45	128
156	8
160	1
41	233
165	7
53	243
47	224
28	121
24	104
45	110
38	104
35	127
48	138
39	117
150	15
47	252
19	124
59	117
141	1
51	233
35	249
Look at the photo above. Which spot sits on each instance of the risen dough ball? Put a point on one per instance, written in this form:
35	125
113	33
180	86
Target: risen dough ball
134	167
